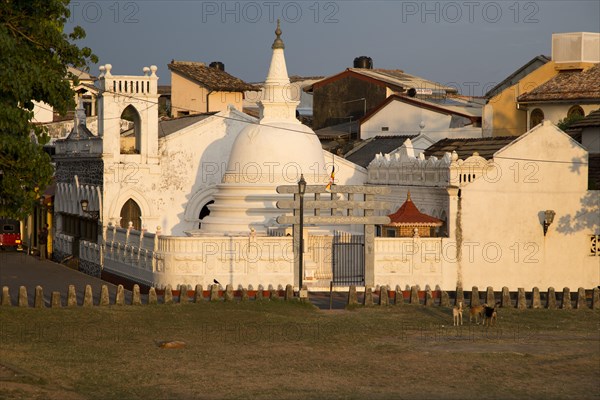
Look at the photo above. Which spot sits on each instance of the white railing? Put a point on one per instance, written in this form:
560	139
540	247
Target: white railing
63	243
161	260
146	85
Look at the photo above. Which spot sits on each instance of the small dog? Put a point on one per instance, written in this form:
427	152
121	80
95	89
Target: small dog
457	314
490	315
476	311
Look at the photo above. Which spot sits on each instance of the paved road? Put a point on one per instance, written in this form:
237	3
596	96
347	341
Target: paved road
20	269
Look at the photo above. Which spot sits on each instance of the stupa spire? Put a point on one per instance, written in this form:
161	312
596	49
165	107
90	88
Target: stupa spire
278	43
277	103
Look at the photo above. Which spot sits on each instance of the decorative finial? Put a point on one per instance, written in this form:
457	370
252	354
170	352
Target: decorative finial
408	196
278	43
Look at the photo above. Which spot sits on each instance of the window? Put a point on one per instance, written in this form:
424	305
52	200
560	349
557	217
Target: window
131	213
385	129
595	245
536	118
391	233
8	228
131	138
575	110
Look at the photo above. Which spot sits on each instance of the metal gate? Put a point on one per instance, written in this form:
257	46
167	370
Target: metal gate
348	261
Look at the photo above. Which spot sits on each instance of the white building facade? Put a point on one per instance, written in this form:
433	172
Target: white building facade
495	211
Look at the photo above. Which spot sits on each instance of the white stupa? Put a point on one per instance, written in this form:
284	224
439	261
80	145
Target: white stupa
265	155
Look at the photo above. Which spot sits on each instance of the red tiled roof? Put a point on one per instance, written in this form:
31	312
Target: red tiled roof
409	215
211	78
568	85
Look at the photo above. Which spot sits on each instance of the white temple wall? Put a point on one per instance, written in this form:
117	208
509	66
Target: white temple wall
346	172
174	260
172	193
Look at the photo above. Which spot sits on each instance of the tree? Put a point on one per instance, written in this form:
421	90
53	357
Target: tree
35	55
566	122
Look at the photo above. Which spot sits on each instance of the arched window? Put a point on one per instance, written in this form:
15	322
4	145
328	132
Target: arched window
575	110
205	212
131	213
131	135
536	118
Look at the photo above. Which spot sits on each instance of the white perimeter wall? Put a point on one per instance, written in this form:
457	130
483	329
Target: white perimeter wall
502	220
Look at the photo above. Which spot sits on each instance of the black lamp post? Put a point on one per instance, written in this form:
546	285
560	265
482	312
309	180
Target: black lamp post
301	190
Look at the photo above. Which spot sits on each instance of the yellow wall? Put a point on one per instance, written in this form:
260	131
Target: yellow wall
187	95
507	119
218	101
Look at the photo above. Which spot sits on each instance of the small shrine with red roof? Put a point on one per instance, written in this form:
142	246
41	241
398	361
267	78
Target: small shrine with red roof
408	221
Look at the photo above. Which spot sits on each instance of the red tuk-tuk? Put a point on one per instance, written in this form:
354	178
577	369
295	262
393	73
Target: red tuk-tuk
10	234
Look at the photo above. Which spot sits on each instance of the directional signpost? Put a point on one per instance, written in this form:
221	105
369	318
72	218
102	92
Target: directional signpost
323	207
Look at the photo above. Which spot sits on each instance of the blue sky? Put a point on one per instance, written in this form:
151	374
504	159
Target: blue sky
469	44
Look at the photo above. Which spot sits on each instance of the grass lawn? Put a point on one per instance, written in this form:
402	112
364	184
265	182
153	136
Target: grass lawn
286	350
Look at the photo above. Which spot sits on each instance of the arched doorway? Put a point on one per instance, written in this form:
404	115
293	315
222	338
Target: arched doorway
204	212
131	212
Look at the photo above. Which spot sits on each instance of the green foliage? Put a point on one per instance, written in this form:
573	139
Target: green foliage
566	122
35	56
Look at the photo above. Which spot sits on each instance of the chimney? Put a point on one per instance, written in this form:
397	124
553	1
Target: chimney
363	62
217	65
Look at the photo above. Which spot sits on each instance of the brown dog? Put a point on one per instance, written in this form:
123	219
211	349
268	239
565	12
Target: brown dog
490	315
457	314
476	311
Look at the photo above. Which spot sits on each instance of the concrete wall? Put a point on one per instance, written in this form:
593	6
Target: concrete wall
502	220
416	261
328	100
404	119
187	96
219	101
42	112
